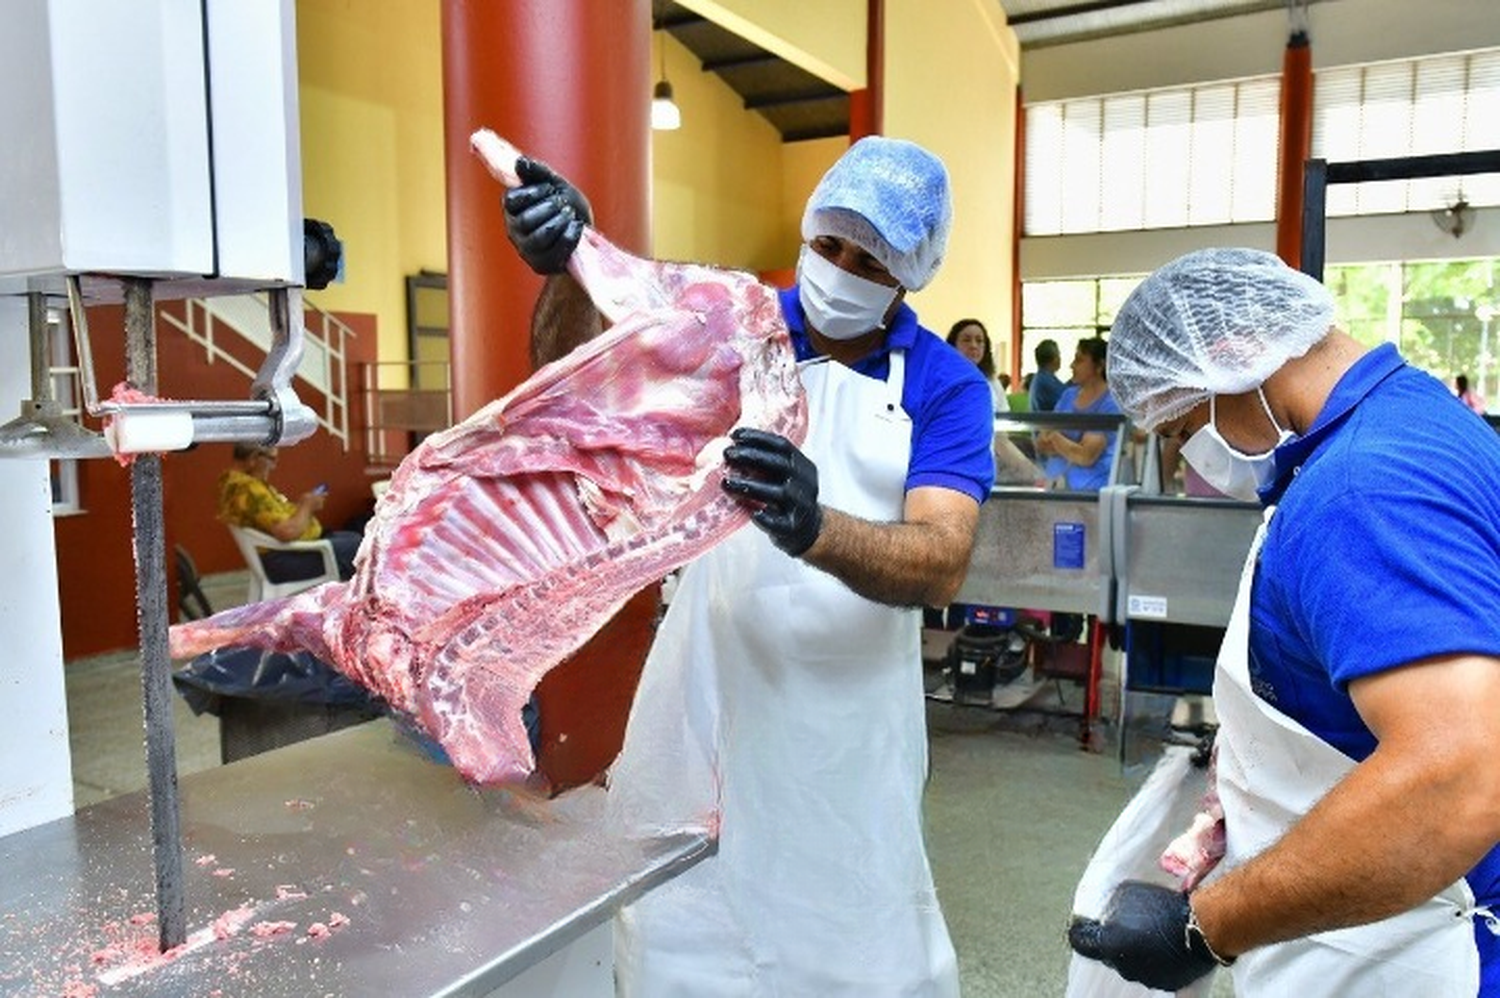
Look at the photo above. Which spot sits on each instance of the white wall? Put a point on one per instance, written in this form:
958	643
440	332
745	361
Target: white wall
36	769
1342	32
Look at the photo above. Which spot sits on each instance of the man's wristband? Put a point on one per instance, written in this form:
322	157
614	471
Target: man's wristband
1197	942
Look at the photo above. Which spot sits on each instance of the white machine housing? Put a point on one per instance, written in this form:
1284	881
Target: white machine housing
154	138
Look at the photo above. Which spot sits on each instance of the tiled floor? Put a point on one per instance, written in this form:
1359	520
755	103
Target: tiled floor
1014	809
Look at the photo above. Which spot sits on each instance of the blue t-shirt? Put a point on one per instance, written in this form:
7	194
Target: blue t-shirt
1046	389
1385	549
952	411
1093	477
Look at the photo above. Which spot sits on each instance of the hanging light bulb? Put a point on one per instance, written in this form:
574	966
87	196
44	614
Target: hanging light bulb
665	115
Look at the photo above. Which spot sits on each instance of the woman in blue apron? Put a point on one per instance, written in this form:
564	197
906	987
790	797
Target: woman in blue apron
1358	682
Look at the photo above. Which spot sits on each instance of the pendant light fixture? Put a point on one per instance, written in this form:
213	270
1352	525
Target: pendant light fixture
665	115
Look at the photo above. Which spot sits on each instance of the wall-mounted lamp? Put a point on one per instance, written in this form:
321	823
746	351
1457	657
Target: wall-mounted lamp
665	115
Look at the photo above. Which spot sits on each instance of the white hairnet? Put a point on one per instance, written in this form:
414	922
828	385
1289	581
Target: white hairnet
890	198
1214	322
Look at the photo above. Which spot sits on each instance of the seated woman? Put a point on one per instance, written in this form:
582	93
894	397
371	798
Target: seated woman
1080	459
248	499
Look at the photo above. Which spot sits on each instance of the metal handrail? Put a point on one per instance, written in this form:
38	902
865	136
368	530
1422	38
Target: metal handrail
325	336
378	431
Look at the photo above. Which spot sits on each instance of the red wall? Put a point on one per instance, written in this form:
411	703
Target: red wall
95	563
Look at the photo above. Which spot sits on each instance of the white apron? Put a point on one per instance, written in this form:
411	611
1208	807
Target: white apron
1271	771
811	698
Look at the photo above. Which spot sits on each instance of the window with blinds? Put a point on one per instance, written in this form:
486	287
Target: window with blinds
1153	159
1409	107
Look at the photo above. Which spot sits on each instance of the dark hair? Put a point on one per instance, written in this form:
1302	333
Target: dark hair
1096	349
244	452
1046	352
986	362
1461	383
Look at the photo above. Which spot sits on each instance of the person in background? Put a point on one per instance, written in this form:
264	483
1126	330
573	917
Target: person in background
1080	459
1046	387
820	885
970	338
1467	395
1004	380
1012	466
248	499
1357	684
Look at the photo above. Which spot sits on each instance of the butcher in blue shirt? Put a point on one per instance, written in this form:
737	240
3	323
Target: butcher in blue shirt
790	657
1358	687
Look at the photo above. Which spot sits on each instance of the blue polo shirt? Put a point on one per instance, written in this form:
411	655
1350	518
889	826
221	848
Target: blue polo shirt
952	411
1385	549
1092	477
1046	389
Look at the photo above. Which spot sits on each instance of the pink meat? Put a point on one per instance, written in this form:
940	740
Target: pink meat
1195	853
507	541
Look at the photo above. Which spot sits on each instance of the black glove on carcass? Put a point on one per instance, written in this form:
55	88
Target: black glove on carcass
544	217
771	470
1143	936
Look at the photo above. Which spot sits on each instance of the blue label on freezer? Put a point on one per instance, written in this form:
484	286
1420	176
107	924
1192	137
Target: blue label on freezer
1067	545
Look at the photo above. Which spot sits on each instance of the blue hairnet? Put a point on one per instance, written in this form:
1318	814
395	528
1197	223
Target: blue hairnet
1214	322
890	198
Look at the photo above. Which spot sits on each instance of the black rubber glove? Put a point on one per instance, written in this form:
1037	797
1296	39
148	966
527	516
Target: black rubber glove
544	217
1143	936
770	470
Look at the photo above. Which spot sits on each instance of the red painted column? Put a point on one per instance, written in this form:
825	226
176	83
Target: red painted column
1296	146
867	106
1017	230
568	82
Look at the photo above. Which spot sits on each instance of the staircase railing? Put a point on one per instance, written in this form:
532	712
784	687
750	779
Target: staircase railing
398	418
324	366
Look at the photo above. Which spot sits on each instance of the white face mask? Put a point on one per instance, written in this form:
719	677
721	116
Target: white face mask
1237	475
838	304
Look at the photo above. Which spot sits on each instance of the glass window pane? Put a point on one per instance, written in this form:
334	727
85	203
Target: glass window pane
1153	159
1123	184
1257	139
1081	166
1112	294
1211	158
1057	303
1043	186
1421	106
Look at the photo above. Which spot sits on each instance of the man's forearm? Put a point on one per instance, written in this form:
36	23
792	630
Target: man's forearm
1391	835
899	564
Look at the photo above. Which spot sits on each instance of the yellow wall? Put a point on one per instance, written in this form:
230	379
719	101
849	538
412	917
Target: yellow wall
716	189
951	71
802	166
726	190
825	37
372	149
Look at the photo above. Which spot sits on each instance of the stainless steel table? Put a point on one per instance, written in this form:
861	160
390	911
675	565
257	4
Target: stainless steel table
446	890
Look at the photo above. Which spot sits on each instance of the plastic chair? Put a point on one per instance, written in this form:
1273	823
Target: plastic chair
192	603
252	542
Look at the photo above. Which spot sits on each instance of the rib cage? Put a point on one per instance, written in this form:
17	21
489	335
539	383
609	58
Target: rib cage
505	542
